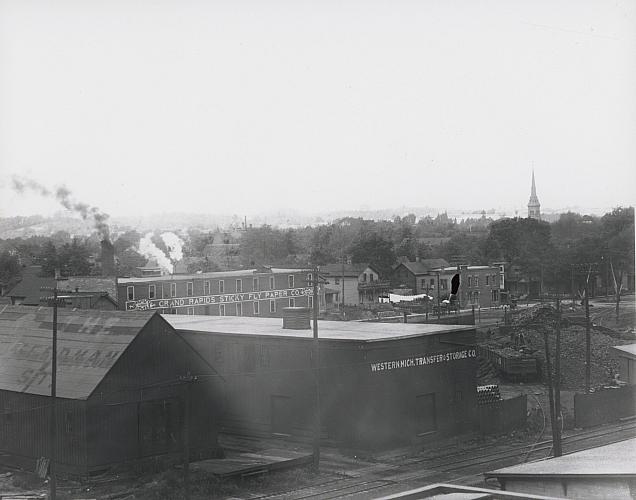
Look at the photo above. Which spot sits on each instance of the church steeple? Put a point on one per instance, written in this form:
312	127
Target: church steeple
534	207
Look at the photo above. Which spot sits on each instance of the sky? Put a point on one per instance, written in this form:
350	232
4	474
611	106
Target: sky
144	107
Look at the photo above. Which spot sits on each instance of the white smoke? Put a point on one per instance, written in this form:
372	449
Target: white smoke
148	249
175	246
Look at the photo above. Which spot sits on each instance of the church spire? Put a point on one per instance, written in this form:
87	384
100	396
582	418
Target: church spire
534	207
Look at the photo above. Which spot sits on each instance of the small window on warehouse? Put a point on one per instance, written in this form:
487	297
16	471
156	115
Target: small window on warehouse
239	286
290	281
221	309
272	283
191	311
272	306
190	289
130	292
255	285
256	308
173	289
206	288
239	309
152	291
221	286
292	302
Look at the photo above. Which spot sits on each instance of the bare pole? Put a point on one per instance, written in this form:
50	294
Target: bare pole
557	381
316	368
588	340
548	369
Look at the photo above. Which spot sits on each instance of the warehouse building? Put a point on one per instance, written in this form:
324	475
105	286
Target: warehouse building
121	389
380	384
262	292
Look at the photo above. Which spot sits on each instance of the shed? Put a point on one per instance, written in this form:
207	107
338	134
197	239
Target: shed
381	384
120	389
604	472
626	355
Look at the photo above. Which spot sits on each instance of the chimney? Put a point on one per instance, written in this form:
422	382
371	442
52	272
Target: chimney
108	258
296	318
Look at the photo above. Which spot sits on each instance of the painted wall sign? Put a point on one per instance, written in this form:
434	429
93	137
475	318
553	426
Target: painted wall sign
423	360
205	300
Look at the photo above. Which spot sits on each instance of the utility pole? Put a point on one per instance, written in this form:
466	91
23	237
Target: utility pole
343	283
438	303
557	382
316	368
588	340
187	403
548	369
53	416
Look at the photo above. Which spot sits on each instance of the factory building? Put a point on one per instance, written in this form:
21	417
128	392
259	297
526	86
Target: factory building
121	390
262	292
380	384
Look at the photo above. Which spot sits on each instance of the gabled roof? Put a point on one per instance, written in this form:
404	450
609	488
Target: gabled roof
350	270
30	287
89	344
423	266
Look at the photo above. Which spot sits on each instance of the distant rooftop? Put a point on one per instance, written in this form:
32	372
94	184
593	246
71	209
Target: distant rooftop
629	349
618	459
332	330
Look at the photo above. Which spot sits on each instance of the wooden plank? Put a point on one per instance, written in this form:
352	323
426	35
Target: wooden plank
242	464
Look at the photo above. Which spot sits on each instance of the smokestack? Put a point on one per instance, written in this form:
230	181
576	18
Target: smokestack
296	318
108	258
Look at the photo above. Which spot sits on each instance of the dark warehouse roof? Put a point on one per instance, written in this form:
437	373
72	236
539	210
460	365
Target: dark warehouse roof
89	344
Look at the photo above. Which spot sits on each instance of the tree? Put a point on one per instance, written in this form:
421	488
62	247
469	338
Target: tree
375	249
74	259
128	261
10	270
49	259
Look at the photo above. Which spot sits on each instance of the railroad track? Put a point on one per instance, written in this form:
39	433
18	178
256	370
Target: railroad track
465	468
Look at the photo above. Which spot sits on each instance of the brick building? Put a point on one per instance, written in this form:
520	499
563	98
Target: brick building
249	292
479	285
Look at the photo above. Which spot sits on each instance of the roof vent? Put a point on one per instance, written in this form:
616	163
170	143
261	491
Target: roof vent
296	318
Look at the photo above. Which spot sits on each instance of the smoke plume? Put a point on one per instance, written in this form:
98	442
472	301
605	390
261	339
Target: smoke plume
174	244
148	249
63	195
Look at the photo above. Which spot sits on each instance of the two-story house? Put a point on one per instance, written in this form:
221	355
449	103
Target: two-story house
356	283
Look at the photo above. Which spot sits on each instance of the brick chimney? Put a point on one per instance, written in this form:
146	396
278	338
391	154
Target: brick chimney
296	318
108	258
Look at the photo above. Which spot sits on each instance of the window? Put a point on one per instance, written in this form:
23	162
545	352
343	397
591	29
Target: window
190	289
239	286
292	302
191	311
173	289
272	306
255	285
173	311
423	283
476	282
432	282
221	309
221	286
206	288
487	280
239	309
470	281
372	277
495	295
443	284
310	302
337	281
130	292
256	308
364	276
309	279
290	281
272	284
152	291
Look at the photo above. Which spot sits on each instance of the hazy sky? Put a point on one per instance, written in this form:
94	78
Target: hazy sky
251	106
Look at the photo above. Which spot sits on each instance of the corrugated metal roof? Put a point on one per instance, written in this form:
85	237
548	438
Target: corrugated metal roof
89	344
